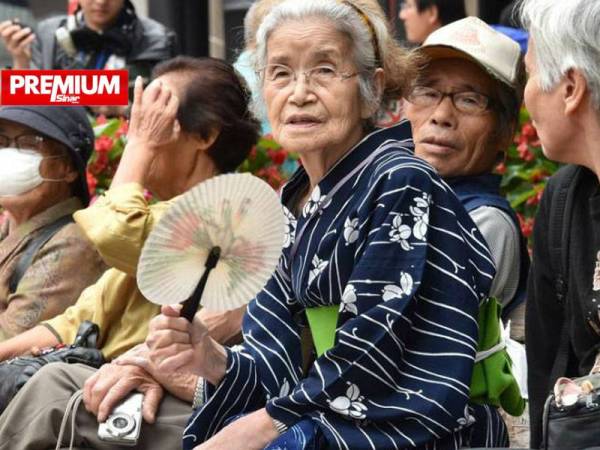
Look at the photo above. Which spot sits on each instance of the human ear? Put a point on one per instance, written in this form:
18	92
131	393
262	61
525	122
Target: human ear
203	144
432	15
574	91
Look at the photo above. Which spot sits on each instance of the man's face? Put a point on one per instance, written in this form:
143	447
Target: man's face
418	25
100	14
455	142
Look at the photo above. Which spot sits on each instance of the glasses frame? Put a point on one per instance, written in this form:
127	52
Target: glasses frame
479	111
39	141
308	74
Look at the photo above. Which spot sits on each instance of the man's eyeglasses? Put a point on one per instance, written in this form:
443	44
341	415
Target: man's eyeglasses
281	76
467	102
22	142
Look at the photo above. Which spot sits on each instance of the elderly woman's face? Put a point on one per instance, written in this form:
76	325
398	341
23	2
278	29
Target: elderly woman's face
454	142
320	113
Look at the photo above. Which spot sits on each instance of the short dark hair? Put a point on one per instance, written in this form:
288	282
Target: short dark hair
214	98
448	10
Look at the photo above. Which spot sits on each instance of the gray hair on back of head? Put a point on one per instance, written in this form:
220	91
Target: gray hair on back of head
566	36
398	64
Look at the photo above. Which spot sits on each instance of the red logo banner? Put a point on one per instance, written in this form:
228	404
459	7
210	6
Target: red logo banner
64	87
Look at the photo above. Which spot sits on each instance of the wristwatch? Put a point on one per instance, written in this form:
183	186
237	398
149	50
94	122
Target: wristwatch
279	426
198	394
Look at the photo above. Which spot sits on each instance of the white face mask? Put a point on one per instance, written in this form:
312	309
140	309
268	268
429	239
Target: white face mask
20	171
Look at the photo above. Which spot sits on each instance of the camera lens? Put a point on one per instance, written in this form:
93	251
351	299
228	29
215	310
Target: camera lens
120	422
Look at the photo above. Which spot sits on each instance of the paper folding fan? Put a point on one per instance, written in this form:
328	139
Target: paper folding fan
234	223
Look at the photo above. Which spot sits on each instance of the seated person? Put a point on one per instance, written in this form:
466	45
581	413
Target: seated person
406	304
464	111
45	260
212	134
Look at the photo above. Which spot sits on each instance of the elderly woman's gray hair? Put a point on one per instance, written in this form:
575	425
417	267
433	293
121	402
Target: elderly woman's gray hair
373	44
566	35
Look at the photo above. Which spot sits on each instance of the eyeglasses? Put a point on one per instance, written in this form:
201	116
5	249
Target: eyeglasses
467	102
281	76
22	142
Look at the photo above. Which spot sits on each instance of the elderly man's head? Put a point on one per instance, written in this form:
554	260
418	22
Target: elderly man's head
325	67
563	63
465	103
43	155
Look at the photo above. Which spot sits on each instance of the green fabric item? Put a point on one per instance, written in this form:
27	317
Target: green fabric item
323	322
492	381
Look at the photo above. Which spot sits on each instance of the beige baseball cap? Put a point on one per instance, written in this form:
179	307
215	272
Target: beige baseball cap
472	38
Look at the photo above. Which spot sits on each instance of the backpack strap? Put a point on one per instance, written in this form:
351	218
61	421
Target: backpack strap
31	249
561	206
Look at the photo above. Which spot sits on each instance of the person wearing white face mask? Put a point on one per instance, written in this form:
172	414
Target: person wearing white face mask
45	261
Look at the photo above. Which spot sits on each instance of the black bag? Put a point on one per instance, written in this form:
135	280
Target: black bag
573	427
15	372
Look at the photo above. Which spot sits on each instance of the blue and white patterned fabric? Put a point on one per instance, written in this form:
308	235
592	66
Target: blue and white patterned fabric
383	237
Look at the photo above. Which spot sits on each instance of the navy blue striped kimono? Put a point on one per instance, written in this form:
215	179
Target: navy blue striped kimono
383	237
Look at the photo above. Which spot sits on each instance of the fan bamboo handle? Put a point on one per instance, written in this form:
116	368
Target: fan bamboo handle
190	306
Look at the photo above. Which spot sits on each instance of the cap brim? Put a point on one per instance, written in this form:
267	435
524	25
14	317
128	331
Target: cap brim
41	124
438	51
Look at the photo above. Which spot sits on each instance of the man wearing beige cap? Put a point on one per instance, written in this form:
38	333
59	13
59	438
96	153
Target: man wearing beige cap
464	109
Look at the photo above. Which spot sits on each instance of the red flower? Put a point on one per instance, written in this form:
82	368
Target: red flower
278	157
501	168
104	144
123	129
524	153
101	119
529	130
92	182
99	164
526	225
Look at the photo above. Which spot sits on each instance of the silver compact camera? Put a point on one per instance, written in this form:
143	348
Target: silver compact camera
124	424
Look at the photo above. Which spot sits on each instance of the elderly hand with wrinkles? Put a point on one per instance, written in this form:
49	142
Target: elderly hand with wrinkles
149	368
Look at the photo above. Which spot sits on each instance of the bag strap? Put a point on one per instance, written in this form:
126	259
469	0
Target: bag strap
560	229
33	246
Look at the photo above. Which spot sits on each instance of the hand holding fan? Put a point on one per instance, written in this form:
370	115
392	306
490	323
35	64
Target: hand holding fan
230	227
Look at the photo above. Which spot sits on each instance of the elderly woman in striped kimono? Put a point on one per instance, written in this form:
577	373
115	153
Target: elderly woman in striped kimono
375	240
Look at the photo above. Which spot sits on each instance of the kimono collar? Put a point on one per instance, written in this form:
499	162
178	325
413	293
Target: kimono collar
347	164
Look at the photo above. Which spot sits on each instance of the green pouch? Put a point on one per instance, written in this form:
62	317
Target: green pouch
492	381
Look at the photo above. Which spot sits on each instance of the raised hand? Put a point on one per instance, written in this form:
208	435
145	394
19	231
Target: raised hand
17	40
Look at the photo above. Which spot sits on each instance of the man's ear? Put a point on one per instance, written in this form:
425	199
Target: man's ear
379	85
574	90
433	15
